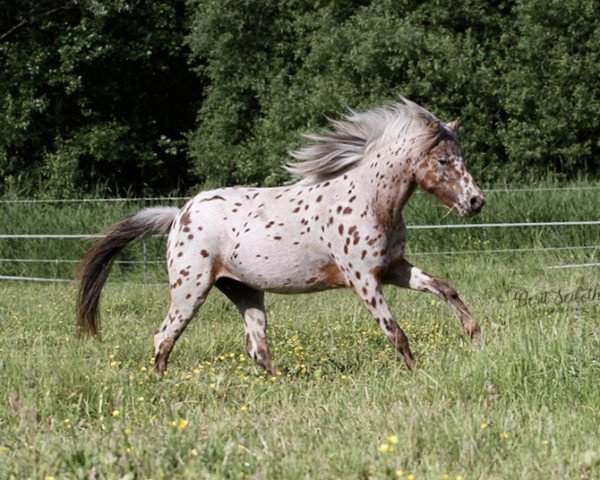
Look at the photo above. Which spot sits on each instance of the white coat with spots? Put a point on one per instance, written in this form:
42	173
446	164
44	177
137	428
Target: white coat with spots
341	225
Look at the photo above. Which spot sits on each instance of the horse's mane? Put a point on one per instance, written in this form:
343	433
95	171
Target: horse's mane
358	134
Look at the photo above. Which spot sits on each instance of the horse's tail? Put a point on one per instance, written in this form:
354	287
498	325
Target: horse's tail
95	266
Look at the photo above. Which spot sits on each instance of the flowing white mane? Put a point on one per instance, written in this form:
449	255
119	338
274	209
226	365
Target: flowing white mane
358	134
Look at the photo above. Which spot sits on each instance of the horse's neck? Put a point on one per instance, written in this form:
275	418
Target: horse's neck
389	184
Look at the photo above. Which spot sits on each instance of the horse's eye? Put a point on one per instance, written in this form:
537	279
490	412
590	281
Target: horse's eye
443	161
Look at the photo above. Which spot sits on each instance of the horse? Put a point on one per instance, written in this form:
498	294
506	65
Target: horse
339	225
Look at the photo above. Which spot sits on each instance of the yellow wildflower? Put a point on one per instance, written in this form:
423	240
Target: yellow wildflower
386	448
182	424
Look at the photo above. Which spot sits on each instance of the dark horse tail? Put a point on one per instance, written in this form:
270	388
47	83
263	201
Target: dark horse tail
95	266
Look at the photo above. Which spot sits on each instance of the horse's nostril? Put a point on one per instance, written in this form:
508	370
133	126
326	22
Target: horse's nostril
476	202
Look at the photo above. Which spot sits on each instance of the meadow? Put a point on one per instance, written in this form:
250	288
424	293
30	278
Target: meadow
525	403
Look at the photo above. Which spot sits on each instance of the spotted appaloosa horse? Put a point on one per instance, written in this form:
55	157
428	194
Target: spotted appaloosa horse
341	225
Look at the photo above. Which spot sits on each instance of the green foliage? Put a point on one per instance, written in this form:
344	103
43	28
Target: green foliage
92	94
552	99
154	95
528	102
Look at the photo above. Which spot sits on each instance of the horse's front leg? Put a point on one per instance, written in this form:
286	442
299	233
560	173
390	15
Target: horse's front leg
369	291
405	275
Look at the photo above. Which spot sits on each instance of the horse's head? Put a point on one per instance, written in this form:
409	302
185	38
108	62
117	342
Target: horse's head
441	171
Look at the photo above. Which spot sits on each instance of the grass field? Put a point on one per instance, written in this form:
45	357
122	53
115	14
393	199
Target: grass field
524	404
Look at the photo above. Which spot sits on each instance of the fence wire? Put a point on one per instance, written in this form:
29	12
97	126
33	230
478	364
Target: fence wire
147	262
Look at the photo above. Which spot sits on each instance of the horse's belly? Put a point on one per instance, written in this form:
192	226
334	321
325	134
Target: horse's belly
287	273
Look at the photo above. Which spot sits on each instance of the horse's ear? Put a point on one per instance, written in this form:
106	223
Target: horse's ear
453	125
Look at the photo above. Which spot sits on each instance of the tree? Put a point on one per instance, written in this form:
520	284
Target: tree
95	93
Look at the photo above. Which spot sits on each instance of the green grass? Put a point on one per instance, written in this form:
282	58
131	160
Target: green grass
501	207
524	404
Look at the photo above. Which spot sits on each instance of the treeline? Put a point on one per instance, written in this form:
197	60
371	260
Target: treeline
157	96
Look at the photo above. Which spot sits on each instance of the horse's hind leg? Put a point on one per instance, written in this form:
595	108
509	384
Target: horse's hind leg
250	303
188	292
406	275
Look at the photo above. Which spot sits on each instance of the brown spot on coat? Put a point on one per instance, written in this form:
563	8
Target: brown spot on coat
332	275
186	218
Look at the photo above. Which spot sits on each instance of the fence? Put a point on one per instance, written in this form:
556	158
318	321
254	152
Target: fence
146	262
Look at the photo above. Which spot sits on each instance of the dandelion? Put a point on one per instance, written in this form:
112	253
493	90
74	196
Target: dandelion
115	413
484	425
392	439
399	473
48	477
411	476
127	431
504	435
140	399
244	408
194	452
